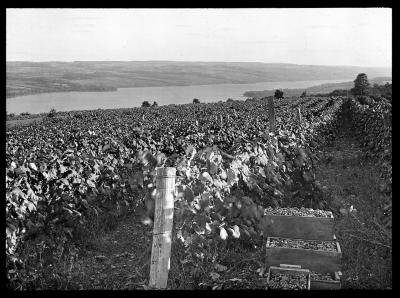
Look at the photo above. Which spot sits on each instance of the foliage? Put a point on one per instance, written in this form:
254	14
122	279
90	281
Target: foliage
196	100
364	100
339	92
278	94
381	91
361	85
146	104
373	125
304	94
52	113
10	116
67	173
155	104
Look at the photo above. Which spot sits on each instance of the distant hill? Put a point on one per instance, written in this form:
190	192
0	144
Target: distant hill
323	88
37	77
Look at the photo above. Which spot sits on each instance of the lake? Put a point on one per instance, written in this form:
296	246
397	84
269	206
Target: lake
133	97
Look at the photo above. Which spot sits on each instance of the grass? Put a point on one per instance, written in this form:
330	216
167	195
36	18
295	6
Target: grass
366	245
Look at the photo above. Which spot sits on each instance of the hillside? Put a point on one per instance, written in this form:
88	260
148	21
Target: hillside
37	77
319	89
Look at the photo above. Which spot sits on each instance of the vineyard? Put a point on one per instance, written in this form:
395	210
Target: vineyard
70	176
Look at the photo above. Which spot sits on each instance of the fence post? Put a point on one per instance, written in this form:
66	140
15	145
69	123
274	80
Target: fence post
299	115
271	115
162	230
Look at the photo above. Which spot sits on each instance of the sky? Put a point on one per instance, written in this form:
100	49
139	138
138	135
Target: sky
327	36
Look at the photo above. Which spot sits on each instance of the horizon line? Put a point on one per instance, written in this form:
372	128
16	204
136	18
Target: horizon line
190	61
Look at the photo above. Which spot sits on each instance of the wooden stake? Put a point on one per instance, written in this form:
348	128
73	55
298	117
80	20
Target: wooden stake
299	115
271	115
162	230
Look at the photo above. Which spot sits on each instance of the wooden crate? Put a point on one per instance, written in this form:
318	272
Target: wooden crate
289	269
327	284
316	260
298	227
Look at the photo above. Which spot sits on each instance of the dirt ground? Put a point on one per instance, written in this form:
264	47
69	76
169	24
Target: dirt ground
350	181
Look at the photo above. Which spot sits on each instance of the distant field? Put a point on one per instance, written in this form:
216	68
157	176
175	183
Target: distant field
319	89
25	78
12	123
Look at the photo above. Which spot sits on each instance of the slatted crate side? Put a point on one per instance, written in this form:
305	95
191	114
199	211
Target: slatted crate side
334	284
290	271
316	260
325	285
300	227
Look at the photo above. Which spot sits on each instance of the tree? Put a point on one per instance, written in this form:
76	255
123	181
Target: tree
145	104
52	112
361	85
155	104
304	94
278	94
196	100
229	100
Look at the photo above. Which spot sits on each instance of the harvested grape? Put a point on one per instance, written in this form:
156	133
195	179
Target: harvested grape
320	276
297	212
306	244
281	281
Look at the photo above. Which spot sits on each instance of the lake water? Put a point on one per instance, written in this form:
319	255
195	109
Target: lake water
133	97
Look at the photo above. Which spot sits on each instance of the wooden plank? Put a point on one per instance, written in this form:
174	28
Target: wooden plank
325	284
162	230
316	260
299	115
286	270
298	227
289	266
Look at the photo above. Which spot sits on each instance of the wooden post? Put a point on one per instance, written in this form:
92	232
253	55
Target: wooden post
271	115
299	115
162	230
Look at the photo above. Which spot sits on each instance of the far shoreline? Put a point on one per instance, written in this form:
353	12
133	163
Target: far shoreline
181	85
